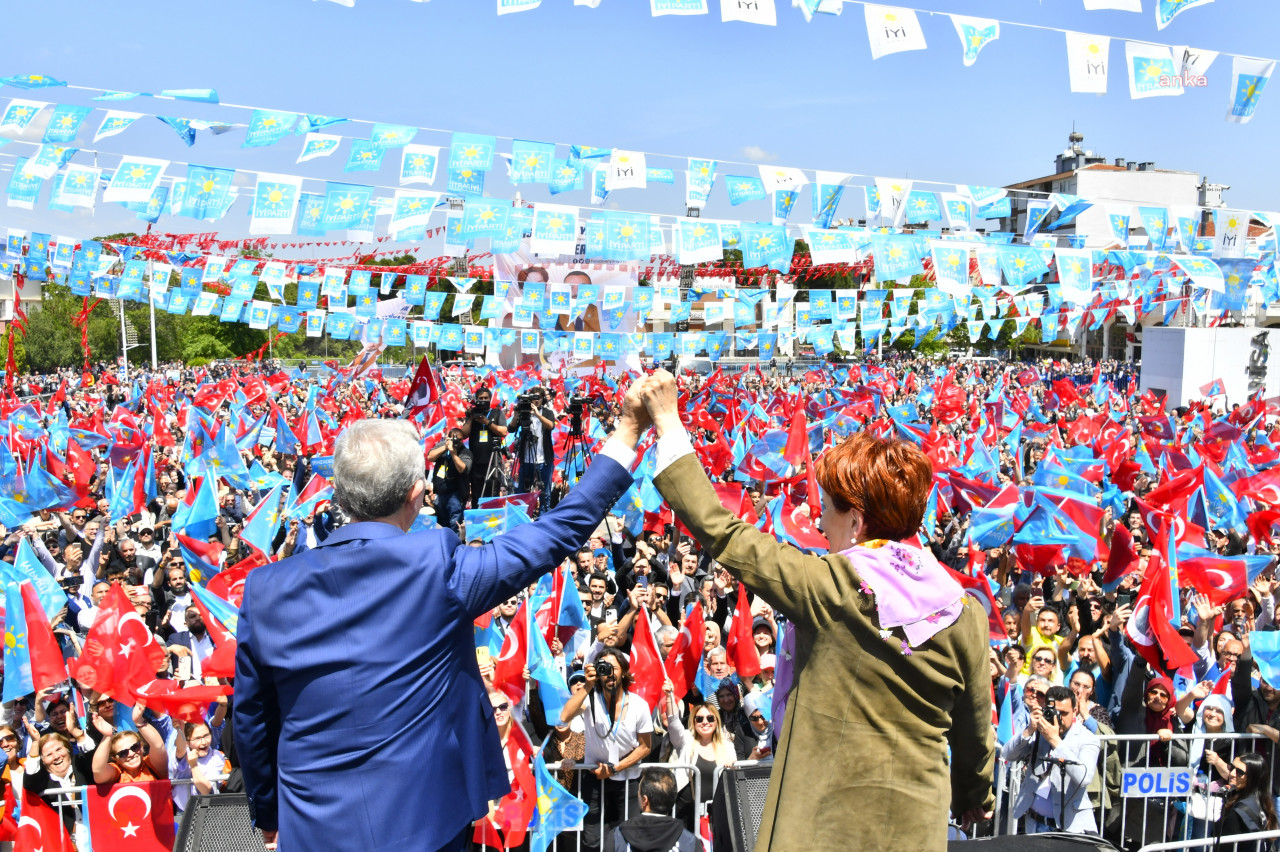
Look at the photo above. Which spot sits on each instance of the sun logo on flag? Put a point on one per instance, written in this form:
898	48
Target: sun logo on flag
487	215
139	172
896	188
1152	69
895	252
365	155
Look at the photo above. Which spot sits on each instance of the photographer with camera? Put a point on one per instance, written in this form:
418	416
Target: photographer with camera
449	464
619	734
536	420
1061	757
485	427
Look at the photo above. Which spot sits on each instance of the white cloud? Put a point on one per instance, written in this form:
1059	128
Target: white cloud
756	154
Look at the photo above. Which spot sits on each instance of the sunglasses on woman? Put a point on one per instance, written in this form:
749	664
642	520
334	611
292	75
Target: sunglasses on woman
8	740
136	748
1236	770
704	718
502	708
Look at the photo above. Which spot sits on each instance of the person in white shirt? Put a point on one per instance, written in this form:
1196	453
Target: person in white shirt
619	733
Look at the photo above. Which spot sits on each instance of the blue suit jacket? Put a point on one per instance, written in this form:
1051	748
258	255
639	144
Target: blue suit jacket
362	721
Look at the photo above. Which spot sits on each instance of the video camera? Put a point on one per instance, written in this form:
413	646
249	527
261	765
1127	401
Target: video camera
524	408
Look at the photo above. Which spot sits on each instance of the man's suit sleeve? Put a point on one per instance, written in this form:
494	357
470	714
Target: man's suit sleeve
485	576
257	724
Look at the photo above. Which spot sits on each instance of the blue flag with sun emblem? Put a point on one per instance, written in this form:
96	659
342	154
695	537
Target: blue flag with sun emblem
557	808
1020	264
895	256
392	135
626	236
766	245
742	189
826	198
471	151
532	162
207	190
1236	275
17	657
1248	78
921	207
65	123
365	156
344	205
267	127
1167	10
484	217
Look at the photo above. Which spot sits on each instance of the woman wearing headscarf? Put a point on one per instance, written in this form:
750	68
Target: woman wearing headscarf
1210	758
890	661
1150	710
760	734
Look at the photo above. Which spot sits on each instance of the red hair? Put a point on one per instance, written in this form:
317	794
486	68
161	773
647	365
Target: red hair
886	481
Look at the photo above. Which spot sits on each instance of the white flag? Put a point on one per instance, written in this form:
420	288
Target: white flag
892	30
135	179
781	178
1087	61
275	204
115	122
554	230
1118	5
626	171
1151	70
1248	77
751	11
1194	63
1231	233
893	195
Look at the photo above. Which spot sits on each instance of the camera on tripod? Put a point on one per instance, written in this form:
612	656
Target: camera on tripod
524	409
577	407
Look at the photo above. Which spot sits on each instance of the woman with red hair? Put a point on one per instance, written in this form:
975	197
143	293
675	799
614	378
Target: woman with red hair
888	725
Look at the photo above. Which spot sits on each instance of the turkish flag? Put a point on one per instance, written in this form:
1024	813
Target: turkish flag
187	704
508	669
40	827
229	584
796	449
120	655
740	645
131	817
978	589
1123	556
647	674
424	390
515	810
682	661
1264	486
47	667
1149	629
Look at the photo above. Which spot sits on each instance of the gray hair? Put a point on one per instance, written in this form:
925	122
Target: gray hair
375	465
1035	680
717	651
666	633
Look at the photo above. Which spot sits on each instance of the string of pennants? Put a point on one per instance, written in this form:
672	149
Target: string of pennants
765	13
1122	285
279	205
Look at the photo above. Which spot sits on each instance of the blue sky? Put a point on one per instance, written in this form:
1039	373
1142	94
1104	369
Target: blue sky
802	95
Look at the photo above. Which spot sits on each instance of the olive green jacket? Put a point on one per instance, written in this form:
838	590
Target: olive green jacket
861	762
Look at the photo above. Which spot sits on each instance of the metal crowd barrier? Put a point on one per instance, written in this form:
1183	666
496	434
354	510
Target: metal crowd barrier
1141	802
571	839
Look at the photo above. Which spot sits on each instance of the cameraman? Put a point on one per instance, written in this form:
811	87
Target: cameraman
449	464
485	428
619	731
538	455
1062	757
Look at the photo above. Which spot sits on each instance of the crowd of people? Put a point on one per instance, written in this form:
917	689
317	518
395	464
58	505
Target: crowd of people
1060	493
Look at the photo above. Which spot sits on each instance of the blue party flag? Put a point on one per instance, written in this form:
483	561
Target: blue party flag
557	808
17	656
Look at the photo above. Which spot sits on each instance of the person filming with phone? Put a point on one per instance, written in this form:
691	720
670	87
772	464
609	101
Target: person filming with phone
1061	757
619	734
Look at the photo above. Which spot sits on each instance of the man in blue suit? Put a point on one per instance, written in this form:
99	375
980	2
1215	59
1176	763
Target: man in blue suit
361	719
